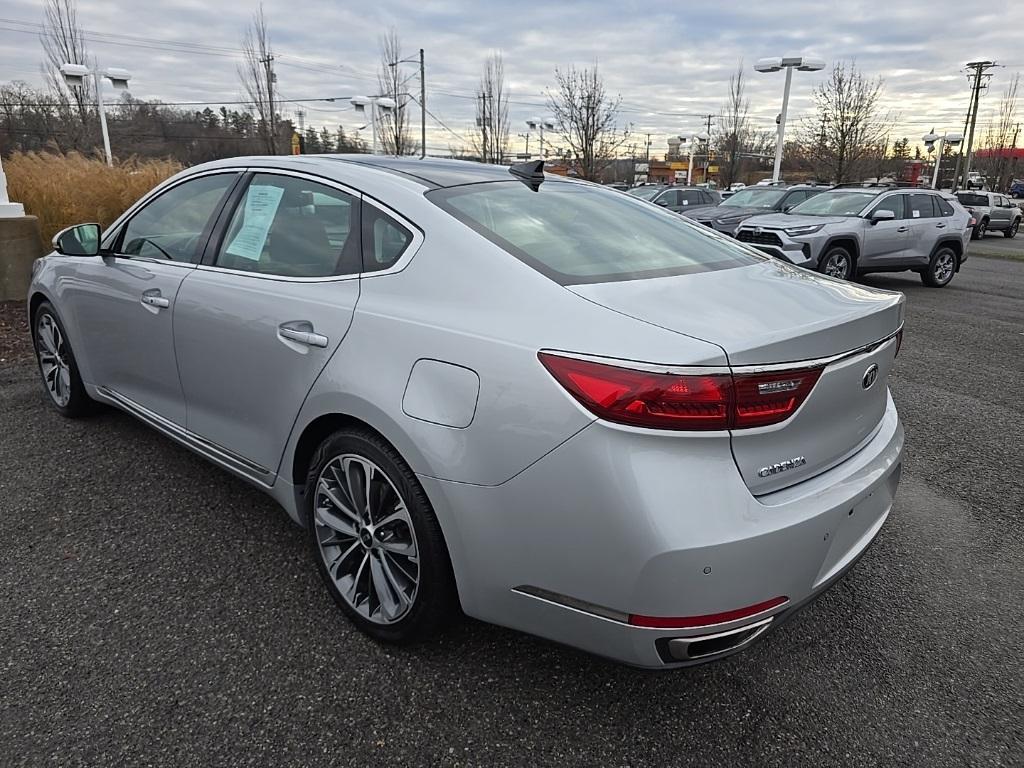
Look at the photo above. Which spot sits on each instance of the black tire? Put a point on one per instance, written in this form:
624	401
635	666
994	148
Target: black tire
435	602
78	403
1011	232
979	230
827	263
940	269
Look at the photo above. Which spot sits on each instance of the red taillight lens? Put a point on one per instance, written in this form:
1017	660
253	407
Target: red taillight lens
686	402
644	399
708	619
768	398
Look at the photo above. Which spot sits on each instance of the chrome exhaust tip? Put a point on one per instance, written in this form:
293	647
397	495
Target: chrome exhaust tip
705	646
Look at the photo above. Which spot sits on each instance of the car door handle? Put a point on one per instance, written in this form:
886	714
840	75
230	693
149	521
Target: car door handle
301	331
940	225
902	229
153	298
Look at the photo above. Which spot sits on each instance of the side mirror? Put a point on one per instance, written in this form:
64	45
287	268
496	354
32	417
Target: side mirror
662	202
882	215
79	240
788	208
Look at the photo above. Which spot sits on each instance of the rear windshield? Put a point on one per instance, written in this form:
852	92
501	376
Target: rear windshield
969	198
577	233
835	203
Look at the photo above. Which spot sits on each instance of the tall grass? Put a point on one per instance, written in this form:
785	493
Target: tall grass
72	189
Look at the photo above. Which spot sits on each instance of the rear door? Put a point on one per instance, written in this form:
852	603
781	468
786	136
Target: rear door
886	242
257	322
123	300
1000	216
926	226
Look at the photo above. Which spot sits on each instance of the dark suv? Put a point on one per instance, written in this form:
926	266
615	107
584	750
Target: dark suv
678	199
752	201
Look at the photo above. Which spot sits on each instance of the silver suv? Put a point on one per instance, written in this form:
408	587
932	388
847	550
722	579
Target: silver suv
848	231
992	212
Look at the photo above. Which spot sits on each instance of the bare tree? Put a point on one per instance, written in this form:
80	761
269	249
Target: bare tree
585	117
393	82
843	138
1002	134
490	141
733	134
64	43
257	76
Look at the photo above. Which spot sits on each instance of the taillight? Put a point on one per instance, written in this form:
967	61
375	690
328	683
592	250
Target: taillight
707	619
642	398
697	401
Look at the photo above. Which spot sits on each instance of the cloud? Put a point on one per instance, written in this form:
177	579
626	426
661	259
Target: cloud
669	66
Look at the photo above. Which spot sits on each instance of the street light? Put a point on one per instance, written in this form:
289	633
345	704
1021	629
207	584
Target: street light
789	63
374	103
930	140
690	141
74	76
539	124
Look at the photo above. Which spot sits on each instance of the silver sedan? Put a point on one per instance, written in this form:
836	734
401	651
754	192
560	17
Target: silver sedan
547	404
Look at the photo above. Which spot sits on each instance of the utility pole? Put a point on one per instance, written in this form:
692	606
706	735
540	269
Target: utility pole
483	127
707	157
980	68
423	107
301	115
268	65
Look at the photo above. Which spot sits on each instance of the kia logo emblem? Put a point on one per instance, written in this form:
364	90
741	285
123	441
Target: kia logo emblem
870	375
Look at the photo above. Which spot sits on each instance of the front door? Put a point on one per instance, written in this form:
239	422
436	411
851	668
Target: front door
123	300
885	242
257	322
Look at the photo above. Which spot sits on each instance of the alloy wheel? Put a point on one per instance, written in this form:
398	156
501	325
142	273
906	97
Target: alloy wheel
837	265
366	538
53	359
945	263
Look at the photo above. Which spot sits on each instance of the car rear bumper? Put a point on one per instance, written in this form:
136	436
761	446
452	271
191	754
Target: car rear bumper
619	521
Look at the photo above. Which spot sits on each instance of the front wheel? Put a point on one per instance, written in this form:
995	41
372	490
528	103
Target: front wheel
1012	231
57	363
376	541
836	262
940	269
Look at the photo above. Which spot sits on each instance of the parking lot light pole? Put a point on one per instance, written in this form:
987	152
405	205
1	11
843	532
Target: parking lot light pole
374	103
539	124
75	74
789	63
930	140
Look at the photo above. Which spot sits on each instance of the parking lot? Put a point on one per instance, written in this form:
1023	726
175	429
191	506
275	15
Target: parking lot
155	610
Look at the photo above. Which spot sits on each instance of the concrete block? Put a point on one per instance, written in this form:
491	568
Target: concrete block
20	245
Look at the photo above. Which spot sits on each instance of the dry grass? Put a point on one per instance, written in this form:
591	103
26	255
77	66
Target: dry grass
72	189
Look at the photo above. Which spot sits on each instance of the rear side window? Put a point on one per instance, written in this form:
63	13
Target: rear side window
922	207
384	240
692	197
577	233
292	227
944	207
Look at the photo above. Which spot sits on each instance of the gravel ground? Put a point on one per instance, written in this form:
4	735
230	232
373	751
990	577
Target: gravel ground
157	611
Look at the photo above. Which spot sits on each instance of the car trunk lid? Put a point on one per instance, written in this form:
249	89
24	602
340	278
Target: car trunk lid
772	316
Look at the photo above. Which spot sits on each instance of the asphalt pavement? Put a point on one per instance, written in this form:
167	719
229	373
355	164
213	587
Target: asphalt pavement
156	611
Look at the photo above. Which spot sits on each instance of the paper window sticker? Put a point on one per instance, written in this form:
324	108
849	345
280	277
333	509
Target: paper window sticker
916	214
261	203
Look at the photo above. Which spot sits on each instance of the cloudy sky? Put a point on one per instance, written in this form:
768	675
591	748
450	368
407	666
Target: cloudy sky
668	66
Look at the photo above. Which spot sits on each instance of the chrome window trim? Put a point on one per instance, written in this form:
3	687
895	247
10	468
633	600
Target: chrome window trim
683	370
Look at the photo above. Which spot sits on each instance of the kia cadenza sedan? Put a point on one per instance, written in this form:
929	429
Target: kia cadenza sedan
531	399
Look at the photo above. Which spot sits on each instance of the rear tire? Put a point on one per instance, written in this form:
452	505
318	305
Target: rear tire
941	268
837	262
385	561
57	365
1012	231
979	230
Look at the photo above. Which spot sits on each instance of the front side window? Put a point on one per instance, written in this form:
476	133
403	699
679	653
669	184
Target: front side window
892	203
691	197
575	233
171	226
921	207
292	227
847	202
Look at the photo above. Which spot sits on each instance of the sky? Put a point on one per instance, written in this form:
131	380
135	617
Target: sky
668	66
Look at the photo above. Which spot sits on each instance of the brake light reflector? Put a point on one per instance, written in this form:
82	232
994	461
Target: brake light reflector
642	398
687	622
699	402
